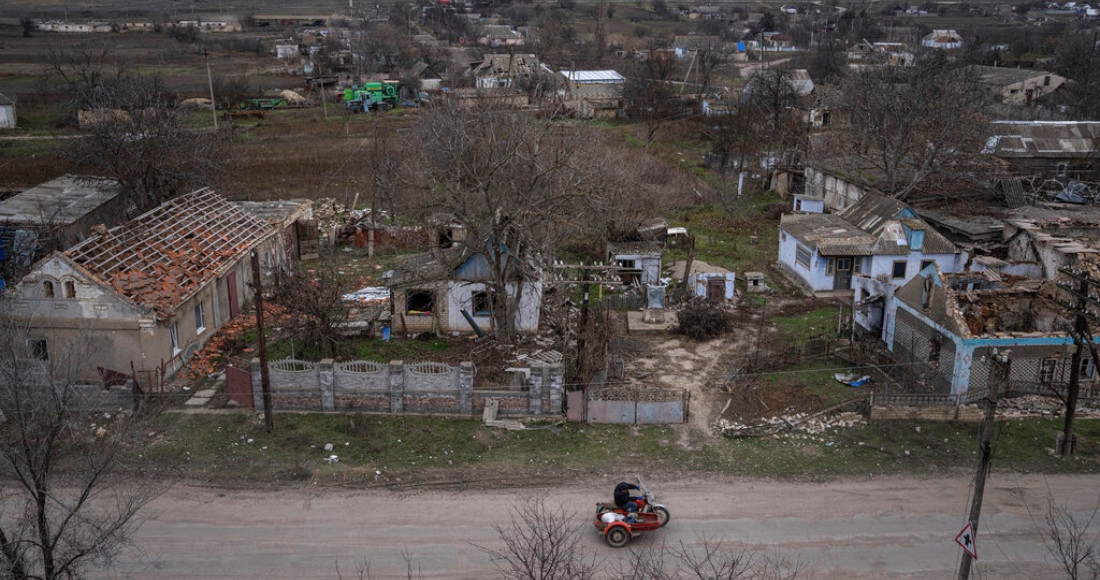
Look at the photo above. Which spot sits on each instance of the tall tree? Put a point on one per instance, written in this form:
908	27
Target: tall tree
512	182
63	512
915	127
135	130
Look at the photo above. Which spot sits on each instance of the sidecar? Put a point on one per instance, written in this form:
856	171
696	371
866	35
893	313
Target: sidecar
618	527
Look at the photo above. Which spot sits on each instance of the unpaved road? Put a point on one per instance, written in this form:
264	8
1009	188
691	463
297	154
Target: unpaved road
881	528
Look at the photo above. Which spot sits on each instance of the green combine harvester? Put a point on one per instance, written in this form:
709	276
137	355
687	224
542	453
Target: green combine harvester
377	96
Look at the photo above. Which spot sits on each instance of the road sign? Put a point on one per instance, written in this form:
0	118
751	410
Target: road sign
966	540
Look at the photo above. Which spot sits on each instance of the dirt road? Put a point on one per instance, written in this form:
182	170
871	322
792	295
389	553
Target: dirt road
883	528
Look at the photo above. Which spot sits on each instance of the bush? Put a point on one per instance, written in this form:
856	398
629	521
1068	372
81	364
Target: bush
702	320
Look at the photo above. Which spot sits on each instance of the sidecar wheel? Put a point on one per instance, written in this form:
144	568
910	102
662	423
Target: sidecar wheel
617	537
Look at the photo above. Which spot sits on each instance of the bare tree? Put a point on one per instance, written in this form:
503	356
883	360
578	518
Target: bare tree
1073	540
231	91
314	301
135	131
513	183
709	559
648	95
913	124
543	542
63	514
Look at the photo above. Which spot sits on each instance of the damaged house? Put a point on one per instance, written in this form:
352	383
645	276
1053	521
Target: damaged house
54	216
948	327
879	239
449	291
149	292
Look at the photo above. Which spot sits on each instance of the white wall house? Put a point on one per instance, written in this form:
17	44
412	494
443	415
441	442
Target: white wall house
879	237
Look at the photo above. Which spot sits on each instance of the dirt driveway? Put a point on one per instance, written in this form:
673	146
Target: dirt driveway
881	528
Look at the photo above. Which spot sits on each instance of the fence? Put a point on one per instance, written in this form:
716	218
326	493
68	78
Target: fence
636	405
397	387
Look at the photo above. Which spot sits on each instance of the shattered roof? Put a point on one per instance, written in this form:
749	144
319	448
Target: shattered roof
1037	138
164	256
60	201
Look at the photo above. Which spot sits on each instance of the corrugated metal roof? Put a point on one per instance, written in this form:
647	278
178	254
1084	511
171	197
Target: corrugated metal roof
870	227
593	76
1036	138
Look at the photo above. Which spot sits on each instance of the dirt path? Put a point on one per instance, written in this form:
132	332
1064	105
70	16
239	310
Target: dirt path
883	528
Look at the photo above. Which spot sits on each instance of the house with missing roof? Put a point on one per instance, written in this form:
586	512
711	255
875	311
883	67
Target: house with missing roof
435	292
151	291
946	328
878	238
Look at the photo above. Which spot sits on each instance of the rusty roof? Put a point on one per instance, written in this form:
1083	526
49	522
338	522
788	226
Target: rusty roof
164	256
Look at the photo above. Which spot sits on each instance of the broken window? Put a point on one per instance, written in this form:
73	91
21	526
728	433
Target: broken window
419	301
843	264
899	269
1047	368
934	350
1087	370
174	335
446	238
482	303
70	289
926	263
39	348
200	319
47	289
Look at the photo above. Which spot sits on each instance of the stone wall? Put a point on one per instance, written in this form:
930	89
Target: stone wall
397	387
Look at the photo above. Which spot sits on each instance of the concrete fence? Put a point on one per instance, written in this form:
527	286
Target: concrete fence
399	387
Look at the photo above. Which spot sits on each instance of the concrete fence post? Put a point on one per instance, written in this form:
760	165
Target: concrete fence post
257	384
466	388
557	384
539	378
397	386
325	377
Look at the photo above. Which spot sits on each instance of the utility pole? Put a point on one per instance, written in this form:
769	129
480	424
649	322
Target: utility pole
1081	309
210	82
265	377
999	363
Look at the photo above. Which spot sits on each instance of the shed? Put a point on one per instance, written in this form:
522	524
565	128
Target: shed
638	262
7	112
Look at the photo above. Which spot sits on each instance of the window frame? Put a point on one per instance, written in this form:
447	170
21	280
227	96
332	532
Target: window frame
481	298
200	318
48	291
800	250
1048	369
411	293
894	270
174	337
68	288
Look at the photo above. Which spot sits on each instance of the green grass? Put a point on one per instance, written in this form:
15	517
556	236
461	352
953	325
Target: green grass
381	448
813	324
813	378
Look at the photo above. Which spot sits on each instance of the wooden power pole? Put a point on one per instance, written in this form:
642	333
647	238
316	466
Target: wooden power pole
1084	304
265	377
999	363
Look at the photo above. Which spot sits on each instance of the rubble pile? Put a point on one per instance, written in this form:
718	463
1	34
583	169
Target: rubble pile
1040	406
797	423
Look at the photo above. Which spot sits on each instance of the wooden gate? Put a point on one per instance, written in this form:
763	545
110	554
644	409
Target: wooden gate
238	384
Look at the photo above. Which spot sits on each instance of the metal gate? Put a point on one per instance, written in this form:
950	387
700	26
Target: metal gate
238	384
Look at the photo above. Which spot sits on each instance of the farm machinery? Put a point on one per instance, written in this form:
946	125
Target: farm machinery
376	96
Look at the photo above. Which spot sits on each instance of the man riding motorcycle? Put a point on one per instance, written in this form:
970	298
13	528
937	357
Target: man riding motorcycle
623	499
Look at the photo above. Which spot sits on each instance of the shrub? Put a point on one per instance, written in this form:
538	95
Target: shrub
702	320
